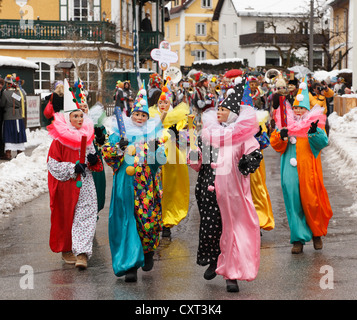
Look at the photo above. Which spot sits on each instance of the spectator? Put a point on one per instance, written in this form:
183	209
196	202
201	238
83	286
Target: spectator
2	88
339	87
146	23
13	106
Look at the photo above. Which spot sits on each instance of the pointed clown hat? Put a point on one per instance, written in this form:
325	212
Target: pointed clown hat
79	92
302	98
247	95
166	93
141	100
234	98
70	103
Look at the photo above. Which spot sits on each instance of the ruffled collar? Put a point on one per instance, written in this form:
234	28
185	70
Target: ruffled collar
244	127
135	133
299	126
68	135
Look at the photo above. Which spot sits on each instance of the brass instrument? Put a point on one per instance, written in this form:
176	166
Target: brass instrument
271	76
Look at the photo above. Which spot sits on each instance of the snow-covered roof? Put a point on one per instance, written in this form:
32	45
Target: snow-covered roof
215	62
17	62
271	7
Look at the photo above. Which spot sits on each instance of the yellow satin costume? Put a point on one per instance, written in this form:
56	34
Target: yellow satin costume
175	178
260	194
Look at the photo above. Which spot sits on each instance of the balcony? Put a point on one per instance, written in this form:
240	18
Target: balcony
149	41
256	39
58	30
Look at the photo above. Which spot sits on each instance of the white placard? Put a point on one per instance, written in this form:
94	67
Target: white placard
33	116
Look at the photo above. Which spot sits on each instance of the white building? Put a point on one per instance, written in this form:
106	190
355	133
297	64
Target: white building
256	30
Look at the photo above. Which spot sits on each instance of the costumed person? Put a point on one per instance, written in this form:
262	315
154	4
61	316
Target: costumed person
98	116
299	143
293	88
119	96
280	103
231	130
55	101
257	92
259	190
200	100
13	106
70	163
135	155
175	178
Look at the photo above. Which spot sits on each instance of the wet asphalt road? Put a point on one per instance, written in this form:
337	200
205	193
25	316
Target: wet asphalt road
24	249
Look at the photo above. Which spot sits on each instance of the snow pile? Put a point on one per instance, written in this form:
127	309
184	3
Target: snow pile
342	151
17	62
24	178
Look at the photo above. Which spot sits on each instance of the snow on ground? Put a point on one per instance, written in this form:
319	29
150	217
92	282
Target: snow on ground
342	152
25	177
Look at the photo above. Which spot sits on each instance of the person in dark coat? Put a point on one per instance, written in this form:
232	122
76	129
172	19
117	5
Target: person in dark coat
146	23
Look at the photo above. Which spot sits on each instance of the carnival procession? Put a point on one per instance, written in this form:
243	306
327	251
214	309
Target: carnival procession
177	183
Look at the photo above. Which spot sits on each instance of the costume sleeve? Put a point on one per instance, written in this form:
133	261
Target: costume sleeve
112	155
61	171
276	142
317	140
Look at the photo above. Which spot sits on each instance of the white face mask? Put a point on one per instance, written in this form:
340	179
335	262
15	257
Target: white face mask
232	117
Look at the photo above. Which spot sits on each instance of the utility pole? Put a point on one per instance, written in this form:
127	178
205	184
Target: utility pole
311	38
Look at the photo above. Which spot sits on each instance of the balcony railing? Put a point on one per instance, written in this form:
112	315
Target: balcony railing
278	39
58	30
149	41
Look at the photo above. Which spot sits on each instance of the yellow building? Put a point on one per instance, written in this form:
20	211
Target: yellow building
93	35
341	33
191	32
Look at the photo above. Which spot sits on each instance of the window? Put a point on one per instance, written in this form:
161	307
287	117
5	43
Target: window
224	30
63	10
206	4
260	26
80	10
176	3
235	29
337	24
43	76
177	29
167	31
200	55
200	29
272	58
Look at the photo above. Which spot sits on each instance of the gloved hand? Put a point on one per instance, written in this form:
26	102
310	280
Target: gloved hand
284	134
80	167
249	163
123	143
243	165
92	158
201	104
313	127
99	136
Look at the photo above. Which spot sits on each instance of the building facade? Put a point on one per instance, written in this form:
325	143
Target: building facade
94	36
265	34
191	32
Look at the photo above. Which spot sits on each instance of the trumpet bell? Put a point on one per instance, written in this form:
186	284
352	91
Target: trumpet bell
271	75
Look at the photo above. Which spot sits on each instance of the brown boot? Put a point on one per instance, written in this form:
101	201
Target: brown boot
317	243
81	262
69	257
297	248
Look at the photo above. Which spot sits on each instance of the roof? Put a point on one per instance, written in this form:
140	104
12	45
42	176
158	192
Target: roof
17	62
181	7
265	7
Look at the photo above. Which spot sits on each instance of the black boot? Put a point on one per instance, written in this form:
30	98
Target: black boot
166	232
149	261
210	273
232	286
131	275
